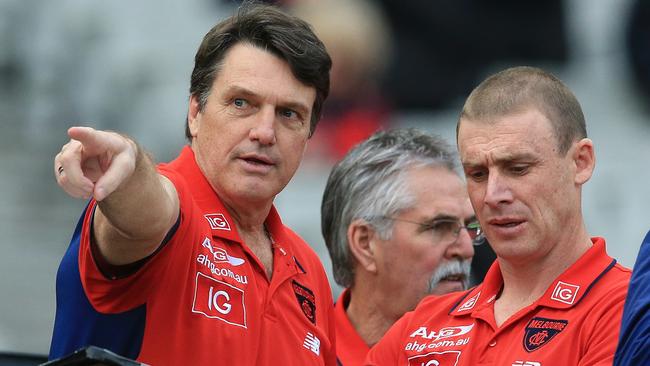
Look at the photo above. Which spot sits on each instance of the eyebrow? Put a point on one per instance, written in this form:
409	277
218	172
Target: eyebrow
289	104
440	217
505	159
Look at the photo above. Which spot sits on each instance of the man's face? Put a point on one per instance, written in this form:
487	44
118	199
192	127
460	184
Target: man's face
250	137
522	189
409	260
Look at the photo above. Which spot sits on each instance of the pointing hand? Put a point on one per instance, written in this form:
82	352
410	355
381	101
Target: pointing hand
94	163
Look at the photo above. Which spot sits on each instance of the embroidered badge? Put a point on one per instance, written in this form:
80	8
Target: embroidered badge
540	331
306	300
469	304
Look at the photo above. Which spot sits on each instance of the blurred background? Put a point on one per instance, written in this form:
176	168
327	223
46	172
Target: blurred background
125	65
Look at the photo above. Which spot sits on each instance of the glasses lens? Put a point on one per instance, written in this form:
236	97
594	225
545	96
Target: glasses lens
445	230
474	229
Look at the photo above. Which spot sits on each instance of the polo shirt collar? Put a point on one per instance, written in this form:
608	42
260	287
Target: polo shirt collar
215	212
565	292
354	348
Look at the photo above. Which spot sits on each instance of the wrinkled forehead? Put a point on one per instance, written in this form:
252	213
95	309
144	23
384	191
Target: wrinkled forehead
510	137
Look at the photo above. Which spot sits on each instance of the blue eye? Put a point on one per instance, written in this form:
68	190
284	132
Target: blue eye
240	103
288	113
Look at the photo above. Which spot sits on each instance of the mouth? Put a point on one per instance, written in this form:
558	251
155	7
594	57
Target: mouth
505	222
257	160
454	277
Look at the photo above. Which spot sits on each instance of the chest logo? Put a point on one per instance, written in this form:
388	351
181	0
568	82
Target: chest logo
565	292
470	303
217	221
306	300
219	300
312	343
446	358
219	255
540	331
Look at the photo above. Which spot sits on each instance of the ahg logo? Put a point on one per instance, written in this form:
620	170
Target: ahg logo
446	332
217	221
220	300
565	292
219	254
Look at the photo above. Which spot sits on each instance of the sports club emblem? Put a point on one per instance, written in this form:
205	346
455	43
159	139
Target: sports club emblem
540	331
306	300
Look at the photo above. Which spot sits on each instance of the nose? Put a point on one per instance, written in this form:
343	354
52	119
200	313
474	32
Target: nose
497	191
462	247
263	129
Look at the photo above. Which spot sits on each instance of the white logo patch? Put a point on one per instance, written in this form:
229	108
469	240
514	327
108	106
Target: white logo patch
565	292
446	332
469	304
526	363
312	343
217	221
220	255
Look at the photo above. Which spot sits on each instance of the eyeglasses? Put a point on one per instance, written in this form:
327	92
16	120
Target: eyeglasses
447	230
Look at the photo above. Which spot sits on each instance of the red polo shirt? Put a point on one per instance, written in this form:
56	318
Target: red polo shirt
575	322
351	350
208	299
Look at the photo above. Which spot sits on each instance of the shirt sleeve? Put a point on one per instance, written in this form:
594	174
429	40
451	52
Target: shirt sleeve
634	344
113	295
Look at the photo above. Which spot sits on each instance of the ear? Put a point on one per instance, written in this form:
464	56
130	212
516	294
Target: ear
584	160
360	240
193	115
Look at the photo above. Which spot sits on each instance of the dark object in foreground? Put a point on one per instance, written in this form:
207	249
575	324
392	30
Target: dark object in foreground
93	356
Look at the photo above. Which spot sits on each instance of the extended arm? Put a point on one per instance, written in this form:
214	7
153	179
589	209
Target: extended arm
136	205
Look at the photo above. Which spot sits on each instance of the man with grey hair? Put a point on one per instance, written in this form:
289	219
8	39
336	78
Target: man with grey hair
393	215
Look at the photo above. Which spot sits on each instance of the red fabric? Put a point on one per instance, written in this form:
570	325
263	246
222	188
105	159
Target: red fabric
207	296
351	350
576	322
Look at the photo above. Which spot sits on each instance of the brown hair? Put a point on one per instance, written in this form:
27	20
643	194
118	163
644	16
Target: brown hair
518	88
272	30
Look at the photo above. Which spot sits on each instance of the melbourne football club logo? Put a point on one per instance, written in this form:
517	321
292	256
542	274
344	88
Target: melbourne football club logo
306	300
540	331
447	358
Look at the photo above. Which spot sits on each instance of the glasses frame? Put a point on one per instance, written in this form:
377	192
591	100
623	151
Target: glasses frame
478	240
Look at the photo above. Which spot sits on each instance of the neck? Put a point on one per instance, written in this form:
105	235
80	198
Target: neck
525	281
249	217
368	313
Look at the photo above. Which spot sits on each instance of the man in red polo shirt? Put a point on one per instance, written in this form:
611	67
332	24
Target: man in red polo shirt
189	263
398	226
554	296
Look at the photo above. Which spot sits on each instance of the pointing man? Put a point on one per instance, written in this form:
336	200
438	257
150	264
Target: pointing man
188	263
